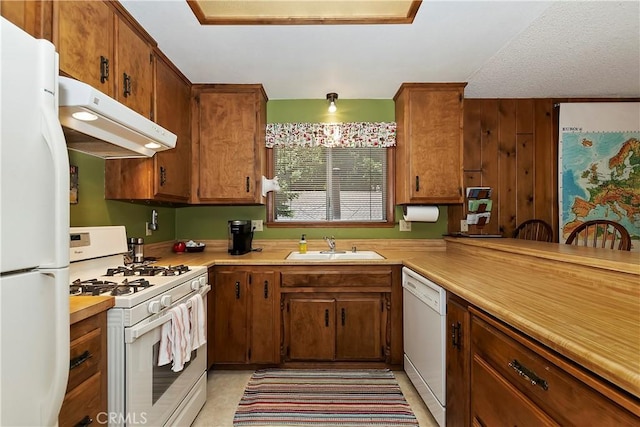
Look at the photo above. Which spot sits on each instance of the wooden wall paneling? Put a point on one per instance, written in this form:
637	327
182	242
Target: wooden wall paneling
525	176
546	165
524	116
490	177
472	159
505	191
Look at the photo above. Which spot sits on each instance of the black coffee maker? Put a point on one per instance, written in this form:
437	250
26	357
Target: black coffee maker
240	237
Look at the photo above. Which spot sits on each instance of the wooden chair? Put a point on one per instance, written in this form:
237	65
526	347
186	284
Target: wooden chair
601	233
534	229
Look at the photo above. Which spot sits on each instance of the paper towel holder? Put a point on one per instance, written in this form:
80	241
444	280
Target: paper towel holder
431	216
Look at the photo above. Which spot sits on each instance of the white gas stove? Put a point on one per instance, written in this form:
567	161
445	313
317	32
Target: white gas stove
144	295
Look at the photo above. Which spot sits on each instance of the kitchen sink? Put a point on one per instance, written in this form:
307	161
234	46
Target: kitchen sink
334	256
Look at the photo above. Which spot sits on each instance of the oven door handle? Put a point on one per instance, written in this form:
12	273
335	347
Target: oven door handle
132	334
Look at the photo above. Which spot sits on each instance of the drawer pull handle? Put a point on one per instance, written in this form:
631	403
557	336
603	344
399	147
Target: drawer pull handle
266	289
75	362
528	374
126	85
417	183
85	421
237	290
344	317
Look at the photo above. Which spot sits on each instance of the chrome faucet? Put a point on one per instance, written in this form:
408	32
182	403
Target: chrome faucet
331	241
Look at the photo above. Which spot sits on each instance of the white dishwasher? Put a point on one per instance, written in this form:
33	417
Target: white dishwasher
424	325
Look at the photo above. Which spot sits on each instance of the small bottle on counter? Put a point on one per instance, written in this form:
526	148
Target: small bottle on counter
302	245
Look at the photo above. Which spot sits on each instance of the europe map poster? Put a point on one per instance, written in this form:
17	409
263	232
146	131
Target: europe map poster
599	165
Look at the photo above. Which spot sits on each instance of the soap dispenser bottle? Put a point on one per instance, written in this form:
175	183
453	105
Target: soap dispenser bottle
302	245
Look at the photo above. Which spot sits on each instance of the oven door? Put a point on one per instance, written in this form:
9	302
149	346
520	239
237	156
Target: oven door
152	392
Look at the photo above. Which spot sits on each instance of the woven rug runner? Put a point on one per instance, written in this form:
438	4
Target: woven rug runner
318	397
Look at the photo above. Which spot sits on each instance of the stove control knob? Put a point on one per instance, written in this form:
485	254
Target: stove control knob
195	285
154	307
166	300
203	281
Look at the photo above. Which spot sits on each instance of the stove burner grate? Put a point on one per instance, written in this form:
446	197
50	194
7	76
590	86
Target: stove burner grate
147	270
96	287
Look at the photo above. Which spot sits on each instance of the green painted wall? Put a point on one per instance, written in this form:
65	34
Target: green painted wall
210	222
93	210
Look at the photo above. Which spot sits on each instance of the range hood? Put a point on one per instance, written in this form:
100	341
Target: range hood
110	130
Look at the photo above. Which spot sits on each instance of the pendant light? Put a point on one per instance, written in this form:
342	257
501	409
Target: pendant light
331	97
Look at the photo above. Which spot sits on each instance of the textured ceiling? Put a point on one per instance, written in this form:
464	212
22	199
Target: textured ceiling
501	48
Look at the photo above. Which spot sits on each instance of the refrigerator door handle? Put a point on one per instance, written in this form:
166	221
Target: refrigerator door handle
54	137
60	374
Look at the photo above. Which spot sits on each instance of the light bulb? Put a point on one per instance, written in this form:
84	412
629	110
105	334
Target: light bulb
85	116
332	107
152	145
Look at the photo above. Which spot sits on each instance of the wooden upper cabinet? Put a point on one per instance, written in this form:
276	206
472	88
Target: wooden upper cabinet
165	176
99	44
83	35
229	156
429	143
29	15
134	70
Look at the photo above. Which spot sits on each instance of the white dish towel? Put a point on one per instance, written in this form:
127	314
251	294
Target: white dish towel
198	337
175	339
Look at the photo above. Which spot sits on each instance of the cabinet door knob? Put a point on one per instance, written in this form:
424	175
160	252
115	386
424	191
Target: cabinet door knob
104	69
237	290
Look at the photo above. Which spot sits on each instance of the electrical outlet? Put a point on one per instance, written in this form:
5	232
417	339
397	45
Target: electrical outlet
256	224
148	230
464	227
405	225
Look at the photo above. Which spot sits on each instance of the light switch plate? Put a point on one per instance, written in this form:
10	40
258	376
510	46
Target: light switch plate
464	227
256	224
405	225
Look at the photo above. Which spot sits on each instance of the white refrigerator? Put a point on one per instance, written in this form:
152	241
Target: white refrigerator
34	232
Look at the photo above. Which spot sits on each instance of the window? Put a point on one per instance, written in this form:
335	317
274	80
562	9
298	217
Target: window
330	181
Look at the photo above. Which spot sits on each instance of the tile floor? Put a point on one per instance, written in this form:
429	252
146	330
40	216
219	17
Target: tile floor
225	388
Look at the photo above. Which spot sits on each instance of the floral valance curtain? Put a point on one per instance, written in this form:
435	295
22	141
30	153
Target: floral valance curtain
347	135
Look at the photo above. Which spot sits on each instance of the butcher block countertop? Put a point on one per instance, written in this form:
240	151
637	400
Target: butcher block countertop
82	307
584	303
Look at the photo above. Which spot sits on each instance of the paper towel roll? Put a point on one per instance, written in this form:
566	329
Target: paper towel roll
421	213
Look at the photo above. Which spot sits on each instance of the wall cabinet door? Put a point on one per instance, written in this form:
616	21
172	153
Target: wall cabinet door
134	70
83	35
166	176
429	143
229	135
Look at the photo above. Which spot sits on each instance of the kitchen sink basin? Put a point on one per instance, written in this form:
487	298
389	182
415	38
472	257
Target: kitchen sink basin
335	256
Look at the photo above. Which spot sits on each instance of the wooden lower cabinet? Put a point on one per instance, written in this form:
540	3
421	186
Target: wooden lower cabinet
335	327
516	381
458	345
343	314
242	316
86	395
